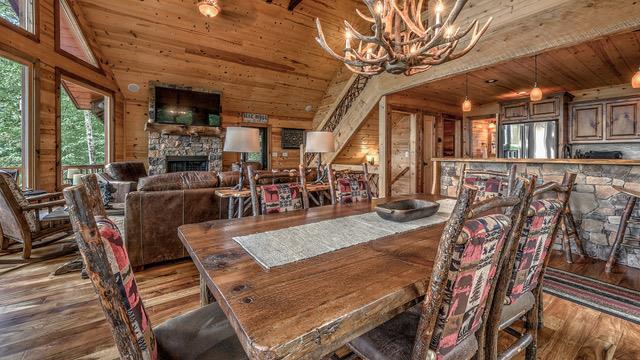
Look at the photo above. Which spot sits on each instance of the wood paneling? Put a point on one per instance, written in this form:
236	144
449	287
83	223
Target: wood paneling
401	156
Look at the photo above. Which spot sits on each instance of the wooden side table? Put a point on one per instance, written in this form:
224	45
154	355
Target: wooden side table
625	220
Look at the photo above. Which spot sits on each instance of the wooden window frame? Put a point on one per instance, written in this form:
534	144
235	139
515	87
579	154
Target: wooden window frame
109	118
56	19
30	120
35	35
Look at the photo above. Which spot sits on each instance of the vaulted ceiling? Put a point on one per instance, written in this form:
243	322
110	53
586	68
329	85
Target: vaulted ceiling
262	57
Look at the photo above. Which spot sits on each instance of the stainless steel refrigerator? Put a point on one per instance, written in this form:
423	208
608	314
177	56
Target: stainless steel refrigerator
532	140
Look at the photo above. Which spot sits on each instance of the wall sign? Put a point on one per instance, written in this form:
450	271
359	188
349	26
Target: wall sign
292	138
255	118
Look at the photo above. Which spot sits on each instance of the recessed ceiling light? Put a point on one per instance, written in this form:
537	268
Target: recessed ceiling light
491	81
134	88
308	108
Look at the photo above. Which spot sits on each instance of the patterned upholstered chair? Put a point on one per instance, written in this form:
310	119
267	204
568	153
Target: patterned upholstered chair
349	186
519	293
201	334
285	193
449	324
22	219
489	183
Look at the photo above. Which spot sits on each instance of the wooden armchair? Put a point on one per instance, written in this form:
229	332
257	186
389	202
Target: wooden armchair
349	186
21	219
489	183
204	333
284	193
519	293
449	324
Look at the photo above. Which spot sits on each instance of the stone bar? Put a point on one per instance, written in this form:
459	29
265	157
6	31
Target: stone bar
595	204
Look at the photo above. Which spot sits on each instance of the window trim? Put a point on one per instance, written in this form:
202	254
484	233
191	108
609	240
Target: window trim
109	120
56	19
35	35
30	120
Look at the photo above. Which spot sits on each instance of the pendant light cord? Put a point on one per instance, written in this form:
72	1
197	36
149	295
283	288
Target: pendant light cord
535	60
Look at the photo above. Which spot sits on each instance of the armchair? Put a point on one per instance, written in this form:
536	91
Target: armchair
21	219
124	176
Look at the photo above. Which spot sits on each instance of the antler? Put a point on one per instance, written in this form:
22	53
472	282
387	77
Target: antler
402	42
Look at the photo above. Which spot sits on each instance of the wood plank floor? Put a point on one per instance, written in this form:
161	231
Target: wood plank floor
58	317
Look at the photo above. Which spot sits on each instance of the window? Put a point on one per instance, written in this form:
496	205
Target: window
70	39
19	13
261	157
84	128
13	117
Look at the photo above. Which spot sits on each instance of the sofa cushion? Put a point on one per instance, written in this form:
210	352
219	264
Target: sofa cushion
179	181
126	171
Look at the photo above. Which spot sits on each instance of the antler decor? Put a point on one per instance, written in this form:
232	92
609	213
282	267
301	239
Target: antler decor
402	41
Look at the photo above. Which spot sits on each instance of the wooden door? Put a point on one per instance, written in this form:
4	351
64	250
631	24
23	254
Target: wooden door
622	120
403	154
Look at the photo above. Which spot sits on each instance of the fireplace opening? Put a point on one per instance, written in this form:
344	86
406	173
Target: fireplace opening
187	163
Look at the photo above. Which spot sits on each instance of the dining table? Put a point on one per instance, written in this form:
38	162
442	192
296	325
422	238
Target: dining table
310	308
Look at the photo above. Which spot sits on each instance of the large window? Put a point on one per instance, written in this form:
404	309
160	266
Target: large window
19	13
70	39
261	157
13	117
84	124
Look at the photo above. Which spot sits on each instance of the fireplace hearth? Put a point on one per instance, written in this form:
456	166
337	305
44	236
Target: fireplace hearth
187	163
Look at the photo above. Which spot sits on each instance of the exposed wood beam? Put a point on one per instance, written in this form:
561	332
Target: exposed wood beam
293	4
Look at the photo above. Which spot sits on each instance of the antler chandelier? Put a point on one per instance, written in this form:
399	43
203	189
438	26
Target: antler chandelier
402	41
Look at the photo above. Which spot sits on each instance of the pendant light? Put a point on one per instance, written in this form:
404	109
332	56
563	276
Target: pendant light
635	81
536	92
466	105
209	8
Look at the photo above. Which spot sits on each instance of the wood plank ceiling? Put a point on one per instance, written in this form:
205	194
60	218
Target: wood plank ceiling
261	56
606	62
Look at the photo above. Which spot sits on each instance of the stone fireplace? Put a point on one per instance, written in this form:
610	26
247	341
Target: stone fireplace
171	152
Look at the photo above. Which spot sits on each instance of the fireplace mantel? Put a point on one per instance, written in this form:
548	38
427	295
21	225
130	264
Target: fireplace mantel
184	130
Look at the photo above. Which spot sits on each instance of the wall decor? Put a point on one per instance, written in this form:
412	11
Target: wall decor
292	138
255	118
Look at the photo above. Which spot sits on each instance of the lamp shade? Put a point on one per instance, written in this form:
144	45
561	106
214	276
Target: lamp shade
242	140
320	142
635	81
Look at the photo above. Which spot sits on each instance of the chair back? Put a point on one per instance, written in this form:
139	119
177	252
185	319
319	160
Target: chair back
15	223
469	260
14	172
107	264
489	183
349	186
541	227
285	193
126	171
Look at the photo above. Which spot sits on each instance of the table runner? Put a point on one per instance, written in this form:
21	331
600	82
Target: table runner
284	246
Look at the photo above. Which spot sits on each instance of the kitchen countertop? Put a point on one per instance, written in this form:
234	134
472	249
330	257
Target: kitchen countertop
629	162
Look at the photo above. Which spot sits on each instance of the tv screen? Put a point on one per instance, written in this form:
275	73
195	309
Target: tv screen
186	107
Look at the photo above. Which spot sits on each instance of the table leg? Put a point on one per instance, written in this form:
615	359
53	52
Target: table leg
566	245
206	297
572	230
622	228
231	210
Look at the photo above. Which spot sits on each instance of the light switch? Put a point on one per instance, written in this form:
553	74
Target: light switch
285	154
274	154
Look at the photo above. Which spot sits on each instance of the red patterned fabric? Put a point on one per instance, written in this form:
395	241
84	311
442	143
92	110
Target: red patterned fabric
121	271
352	188
488	187
281	198
533	247
469	281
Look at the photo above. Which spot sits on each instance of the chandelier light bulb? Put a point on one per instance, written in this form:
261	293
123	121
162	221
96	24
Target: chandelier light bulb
379	8
439	7
635	81
466	105
209	8
449	32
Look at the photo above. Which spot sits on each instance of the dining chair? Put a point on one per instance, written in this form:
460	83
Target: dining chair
204	333
489	183
519	291
348	186
22	219
285	192
449	324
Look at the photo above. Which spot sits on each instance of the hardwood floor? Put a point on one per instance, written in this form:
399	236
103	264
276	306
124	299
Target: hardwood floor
58	317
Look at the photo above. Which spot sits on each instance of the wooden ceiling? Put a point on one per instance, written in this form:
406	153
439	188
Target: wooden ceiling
262	57
606	62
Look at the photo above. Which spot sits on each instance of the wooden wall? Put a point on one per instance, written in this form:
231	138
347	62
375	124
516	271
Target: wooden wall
401	156
41	52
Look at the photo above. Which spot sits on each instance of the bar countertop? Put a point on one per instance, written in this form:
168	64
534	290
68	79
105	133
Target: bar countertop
630	162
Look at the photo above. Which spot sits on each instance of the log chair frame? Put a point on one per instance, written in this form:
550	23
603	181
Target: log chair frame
298	177
334	175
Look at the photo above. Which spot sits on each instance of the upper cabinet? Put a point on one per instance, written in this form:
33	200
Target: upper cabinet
605	120
514	111
545	109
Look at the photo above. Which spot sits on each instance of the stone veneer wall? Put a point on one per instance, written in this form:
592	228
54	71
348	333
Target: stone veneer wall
161	146
596	206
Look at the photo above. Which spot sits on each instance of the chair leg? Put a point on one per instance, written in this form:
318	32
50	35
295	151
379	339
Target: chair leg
26	248
566	245
540	309
624	221
531	326
573	230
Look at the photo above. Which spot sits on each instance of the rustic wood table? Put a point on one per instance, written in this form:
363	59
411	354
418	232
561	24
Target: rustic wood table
240	200
310	308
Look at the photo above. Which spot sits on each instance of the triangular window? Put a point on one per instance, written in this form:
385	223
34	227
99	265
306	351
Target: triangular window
71	39
18	13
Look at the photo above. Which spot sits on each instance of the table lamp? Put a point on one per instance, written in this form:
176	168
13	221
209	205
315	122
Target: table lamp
320	142
242	140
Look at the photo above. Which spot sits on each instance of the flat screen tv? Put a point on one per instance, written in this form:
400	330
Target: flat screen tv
172	105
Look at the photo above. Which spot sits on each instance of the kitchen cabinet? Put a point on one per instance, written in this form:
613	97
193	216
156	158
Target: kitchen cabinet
515	111
545	109
608	120
586	122
622	119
